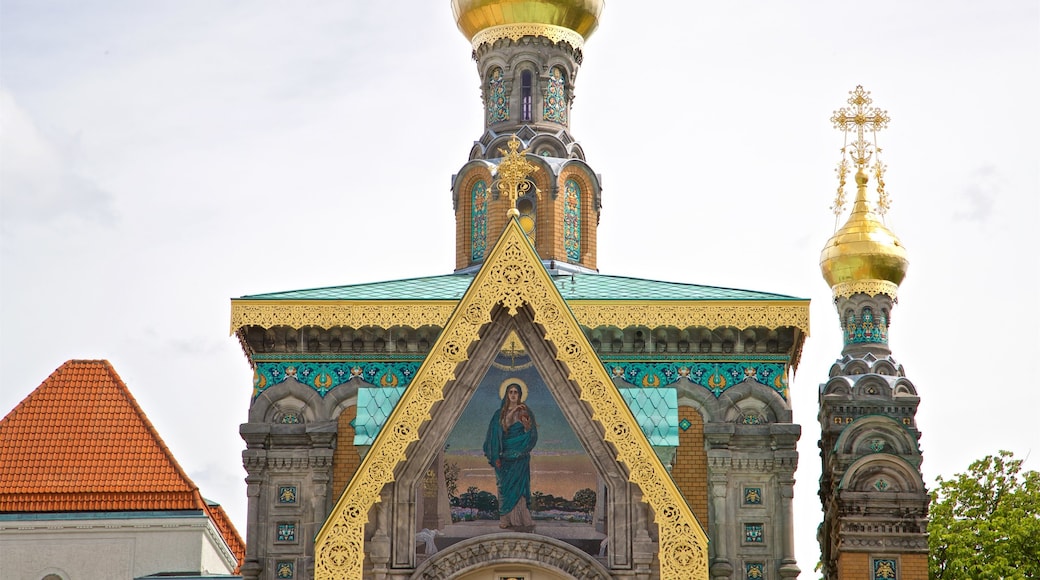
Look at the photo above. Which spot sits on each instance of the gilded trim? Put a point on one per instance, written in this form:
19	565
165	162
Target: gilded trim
329	313
868	287
687	313
512	277
590	313
515	32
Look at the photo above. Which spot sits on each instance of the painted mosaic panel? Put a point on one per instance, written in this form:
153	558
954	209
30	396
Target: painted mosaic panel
323	377
752	496
287	494
286	532
885	569
714	376
555	106
572	220
497	102
867	329
284	569
754	533
479	221
755	571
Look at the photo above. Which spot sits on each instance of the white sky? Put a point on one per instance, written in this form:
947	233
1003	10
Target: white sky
159	158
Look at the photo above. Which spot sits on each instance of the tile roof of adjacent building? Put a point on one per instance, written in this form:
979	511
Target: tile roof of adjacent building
80	442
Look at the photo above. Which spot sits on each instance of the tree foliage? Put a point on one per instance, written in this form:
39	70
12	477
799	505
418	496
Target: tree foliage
985	524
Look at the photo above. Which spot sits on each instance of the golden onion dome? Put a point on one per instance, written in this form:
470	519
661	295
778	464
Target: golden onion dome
863	254
474	16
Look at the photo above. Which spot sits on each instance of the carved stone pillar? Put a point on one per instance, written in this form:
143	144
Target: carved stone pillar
721	566
788	564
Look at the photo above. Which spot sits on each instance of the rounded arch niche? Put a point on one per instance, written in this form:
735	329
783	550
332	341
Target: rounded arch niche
477	558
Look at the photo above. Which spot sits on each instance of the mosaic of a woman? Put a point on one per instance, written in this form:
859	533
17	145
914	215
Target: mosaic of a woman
511	435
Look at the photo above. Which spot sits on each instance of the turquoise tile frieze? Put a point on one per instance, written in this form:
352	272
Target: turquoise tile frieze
867	328
325	376
714	376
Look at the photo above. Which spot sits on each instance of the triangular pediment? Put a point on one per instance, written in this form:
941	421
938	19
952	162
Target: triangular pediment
512	281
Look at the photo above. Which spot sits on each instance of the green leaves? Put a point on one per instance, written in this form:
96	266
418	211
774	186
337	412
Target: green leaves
985	524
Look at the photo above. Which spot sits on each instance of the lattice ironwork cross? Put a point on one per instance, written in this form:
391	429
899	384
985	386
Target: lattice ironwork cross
862	116
513	172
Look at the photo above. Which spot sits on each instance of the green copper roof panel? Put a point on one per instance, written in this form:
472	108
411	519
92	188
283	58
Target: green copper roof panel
657	412
374	406
572	287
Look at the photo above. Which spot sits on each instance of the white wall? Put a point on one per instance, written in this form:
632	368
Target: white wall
103	549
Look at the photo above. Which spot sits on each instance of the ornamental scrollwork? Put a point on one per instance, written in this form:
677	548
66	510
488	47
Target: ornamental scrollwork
515	32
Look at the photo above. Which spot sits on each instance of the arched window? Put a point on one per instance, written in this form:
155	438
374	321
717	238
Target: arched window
478	223
526	88
528	209
572	220
497	102
555	107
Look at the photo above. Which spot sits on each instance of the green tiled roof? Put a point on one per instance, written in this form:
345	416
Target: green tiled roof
572	287
656	410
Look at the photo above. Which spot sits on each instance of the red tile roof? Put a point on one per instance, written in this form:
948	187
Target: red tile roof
80	442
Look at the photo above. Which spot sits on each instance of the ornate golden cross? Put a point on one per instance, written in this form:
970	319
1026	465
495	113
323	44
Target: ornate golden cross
512	174
861	116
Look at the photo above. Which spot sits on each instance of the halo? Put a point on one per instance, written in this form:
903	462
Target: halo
513	381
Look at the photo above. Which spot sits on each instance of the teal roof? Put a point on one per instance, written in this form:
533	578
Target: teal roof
656	410
571	286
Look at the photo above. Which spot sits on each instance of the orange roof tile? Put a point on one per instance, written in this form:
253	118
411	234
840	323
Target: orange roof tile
80	442
228	531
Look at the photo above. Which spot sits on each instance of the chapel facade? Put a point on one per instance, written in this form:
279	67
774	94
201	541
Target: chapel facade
660	441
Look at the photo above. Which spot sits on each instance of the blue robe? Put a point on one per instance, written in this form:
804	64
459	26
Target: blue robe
513	448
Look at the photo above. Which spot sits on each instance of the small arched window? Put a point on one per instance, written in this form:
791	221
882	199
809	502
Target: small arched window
527	206
526	90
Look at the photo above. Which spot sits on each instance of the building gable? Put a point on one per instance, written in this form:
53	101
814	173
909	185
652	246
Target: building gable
512	278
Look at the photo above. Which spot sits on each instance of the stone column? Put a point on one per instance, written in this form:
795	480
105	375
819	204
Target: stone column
721	567
788	564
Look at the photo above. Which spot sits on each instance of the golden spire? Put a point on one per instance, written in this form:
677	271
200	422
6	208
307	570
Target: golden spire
512	175
863	255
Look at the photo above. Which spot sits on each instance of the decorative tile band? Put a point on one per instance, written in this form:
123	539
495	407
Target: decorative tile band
714	376
866	328
323	377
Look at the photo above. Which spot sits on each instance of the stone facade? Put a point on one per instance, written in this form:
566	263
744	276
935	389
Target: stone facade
874	499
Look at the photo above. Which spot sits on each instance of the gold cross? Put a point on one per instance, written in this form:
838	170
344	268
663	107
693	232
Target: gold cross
861	116
512	174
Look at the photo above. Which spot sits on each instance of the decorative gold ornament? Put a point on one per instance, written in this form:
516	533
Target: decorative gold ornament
569	20
685	314
512	175
329	313
512	277
517	31
863	254
868	287
861	117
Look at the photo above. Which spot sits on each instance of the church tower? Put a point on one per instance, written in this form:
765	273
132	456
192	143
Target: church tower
527	56
874	499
